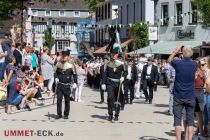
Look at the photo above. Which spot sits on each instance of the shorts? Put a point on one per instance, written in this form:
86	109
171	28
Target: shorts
178	106
199	100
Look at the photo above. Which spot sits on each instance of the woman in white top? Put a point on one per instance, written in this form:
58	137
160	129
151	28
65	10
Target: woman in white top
81	73
47	69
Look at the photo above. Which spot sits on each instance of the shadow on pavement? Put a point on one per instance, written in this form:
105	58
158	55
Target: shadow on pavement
161	105
49	116
95	102
99	117
99	107
172	133
163	113
151	138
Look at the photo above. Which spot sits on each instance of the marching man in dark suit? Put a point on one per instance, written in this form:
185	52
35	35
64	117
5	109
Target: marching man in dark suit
131	78
149	79
66	74
112	82
106	60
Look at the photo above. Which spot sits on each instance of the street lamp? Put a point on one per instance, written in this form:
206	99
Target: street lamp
49	27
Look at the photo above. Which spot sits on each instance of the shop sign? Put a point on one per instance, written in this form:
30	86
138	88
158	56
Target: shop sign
185	34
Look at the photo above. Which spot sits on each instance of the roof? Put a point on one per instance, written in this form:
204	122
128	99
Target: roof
56	5
166	47
124	43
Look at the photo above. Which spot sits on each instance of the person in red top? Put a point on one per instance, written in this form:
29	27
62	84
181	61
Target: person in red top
199	95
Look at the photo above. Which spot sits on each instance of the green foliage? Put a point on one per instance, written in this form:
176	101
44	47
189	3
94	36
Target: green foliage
203	7
139	32
49	40
93	4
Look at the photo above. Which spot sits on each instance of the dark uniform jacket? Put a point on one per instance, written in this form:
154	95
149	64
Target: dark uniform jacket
113	70
66	73
134	75
153	75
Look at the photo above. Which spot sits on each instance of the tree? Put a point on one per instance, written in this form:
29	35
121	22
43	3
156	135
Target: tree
93	4
49	40
203	6
139	32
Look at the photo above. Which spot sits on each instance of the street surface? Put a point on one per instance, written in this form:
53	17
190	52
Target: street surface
88	120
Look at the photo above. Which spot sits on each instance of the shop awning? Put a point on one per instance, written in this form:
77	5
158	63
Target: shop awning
124	43
165	47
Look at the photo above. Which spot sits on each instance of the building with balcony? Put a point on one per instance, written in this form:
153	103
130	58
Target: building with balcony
61	18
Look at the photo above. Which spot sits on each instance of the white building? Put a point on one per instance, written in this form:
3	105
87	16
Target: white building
130	12
64	20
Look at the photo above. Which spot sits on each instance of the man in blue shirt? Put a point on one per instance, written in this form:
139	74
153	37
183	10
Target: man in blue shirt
184	86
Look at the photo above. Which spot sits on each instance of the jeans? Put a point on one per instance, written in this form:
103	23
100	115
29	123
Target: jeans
171	87
206	111
17	100
2	69
11	90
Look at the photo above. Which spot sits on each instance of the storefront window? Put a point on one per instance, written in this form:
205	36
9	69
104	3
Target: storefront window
179	14
193	14
165	14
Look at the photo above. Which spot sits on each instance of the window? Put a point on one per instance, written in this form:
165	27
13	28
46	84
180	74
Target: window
34	12
127	13
47	13
76	14
179	15
102	12
61	13
106	11
165	14
109	10
121	15
61	45
193	15
134	12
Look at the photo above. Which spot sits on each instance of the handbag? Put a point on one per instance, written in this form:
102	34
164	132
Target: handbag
3	94
41	79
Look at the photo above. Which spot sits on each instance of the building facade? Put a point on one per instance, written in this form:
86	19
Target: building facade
60	19
178	21
129	12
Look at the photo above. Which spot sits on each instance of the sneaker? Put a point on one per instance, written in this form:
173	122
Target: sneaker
66	117
28	107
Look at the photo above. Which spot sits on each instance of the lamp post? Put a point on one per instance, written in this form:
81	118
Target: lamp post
49	27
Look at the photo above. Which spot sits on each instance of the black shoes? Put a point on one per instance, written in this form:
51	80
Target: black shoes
122	107
58	117
110	118
101	102
150	101
116	118
146	101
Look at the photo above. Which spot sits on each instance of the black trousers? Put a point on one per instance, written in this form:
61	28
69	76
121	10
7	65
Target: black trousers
102	94
150	85
63	90
129	85
112	91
